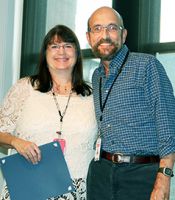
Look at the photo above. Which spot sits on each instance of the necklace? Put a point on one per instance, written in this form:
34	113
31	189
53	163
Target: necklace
61	114
62	89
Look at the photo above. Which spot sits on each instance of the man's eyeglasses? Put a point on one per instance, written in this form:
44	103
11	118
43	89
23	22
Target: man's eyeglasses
111	28
65	46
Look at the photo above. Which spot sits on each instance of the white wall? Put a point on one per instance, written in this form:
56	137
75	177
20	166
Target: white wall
10	51
10	40
61	13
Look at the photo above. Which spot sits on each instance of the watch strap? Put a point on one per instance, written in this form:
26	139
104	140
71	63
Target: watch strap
166	171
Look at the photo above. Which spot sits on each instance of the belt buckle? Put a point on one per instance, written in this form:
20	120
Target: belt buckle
117	158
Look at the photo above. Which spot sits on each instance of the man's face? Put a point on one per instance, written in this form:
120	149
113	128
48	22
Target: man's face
106	36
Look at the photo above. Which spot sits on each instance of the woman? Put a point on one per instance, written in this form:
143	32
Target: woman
55	104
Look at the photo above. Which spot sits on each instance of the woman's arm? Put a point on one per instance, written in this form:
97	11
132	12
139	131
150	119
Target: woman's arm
26	148
9	114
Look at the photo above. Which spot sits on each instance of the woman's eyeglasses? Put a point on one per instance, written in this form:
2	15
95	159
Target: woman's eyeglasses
65	46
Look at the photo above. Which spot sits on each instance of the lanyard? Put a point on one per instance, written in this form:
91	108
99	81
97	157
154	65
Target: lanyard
59	111
102	105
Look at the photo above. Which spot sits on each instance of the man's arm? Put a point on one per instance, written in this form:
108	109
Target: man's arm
161	190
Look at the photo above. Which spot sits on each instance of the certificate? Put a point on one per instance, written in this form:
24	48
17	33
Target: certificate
49	178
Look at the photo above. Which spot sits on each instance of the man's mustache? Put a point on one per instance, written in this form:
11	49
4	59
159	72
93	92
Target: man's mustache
108	40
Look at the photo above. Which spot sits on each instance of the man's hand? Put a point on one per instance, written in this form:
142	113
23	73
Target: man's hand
161	190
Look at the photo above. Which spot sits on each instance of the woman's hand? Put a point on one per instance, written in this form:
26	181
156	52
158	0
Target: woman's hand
27	149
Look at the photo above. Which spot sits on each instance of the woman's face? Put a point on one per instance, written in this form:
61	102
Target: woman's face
61	55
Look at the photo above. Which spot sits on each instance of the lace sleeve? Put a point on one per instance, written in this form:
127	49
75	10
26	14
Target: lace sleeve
12	105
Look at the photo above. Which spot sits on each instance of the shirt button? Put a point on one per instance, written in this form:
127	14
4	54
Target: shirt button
106	91
109	125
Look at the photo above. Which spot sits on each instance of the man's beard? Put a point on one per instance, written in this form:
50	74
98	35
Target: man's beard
110	55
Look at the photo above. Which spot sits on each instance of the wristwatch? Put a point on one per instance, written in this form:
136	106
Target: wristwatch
166	171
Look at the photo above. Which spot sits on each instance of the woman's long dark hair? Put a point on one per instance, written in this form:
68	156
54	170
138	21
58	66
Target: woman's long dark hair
42	81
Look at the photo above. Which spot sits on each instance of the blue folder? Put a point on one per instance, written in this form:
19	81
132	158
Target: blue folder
49	178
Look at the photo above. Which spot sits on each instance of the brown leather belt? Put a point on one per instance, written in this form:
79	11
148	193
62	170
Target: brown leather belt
120	158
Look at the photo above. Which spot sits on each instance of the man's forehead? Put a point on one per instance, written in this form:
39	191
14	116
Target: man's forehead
103	15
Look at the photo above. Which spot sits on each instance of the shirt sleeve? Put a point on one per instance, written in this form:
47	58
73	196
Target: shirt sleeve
12	105
162	102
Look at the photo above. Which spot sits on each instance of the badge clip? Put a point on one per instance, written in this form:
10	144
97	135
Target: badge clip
97	149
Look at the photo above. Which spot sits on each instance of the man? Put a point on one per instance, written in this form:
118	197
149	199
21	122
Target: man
135	109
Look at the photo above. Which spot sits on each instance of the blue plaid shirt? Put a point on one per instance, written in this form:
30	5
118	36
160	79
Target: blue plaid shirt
139	116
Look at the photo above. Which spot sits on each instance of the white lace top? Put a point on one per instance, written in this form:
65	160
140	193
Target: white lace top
33	115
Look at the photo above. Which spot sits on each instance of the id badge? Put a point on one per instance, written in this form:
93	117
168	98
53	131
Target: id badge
62	143
97	149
